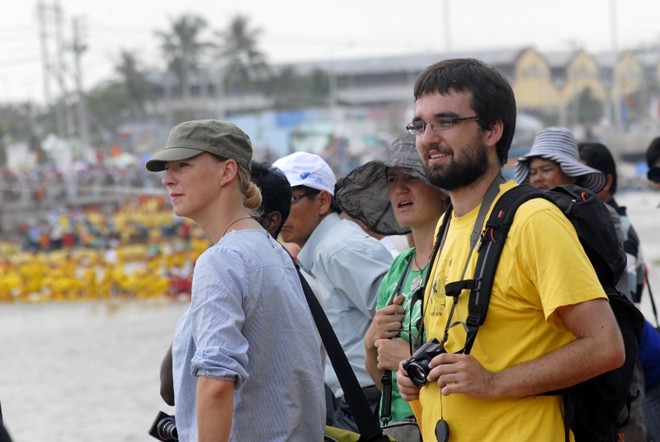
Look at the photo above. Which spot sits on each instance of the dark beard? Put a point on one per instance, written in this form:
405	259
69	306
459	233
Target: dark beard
463	171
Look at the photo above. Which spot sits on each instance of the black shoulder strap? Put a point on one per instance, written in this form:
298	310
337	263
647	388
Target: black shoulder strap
366	421
490	248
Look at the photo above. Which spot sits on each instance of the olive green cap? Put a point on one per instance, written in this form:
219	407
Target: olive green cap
191	138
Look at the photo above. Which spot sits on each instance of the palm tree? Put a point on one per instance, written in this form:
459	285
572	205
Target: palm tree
238	52
183	49
134	79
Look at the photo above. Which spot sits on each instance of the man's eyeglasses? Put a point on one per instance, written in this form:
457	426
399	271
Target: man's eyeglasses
295	198
418	127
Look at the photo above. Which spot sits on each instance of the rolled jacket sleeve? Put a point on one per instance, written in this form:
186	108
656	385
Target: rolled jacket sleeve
217	320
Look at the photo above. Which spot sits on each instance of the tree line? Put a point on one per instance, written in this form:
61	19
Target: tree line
195	66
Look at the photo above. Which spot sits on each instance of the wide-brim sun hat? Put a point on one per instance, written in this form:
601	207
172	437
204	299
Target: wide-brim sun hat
558	144
191	138
362	193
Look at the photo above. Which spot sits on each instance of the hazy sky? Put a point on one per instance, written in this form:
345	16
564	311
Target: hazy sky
298	30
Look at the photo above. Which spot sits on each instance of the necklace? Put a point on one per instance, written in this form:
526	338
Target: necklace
231	224
417	280
417	264
415	261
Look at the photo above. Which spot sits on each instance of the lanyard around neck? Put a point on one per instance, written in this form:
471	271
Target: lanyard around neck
488	200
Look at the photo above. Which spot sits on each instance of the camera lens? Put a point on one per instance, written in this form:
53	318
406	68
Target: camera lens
167	430
417	374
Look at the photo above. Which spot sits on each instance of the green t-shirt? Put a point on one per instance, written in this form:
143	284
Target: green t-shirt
414	280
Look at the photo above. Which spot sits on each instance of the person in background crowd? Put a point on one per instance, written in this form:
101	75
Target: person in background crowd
553	160
544	331
653	161
274	209
232	352
394	197
649	354
343	264
598	156
649	357
276	193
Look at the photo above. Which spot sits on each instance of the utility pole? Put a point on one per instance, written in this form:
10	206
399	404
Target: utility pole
78	48
447	26
45	57
61	68
50	25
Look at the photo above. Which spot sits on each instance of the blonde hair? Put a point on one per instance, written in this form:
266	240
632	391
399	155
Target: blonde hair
250	192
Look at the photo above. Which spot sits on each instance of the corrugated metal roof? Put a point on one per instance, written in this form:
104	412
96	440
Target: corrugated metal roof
405	62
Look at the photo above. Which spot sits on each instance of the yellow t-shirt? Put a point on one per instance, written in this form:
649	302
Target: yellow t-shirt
542	267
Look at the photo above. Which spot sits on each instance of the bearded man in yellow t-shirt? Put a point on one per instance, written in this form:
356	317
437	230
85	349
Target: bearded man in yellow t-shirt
549	324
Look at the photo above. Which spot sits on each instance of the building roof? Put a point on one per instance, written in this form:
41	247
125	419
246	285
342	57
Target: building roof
404	62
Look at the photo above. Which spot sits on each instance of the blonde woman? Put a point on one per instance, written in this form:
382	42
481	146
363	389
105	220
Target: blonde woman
246	355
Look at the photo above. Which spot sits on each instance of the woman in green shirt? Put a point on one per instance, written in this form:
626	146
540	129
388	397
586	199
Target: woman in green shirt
394	197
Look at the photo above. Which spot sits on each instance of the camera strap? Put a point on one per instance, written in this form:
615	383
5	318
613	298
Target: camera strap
386	377
454	288
366	421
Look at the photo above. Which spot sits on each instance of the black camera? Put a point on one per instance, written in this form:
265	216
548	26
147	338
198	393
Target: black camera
417	366
164	428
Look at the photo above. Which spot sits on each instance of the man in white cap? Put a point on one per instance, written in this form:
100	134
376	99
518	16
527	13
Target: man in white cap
345	266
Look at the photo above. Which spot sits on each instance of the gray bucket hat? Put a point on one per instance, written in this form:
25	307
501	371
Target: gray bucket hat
362	193
191	138
558	144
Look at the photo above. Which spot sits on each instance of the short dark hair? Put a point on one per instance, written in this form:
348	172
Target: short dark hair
334	204
653	153
275	190
598	156
492	97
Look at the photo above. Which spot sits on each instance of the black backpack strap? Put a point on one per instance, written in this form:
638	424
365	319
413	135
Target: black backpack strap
492	241
493	238
366	421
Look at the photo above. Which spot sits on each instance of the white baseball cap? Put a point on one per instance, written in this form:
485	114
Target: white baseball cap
307	169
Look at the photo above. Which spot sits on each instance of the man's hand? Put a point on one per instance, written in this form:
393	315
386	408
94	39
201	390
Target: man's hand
407	389
460	373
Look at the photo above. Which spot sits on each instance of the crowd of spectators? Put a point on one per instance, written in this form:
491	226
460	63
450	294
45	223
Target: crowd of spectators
132	247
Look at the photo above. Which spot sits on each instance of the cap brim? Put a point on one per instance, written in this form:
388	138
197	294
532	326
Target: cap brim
157	162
